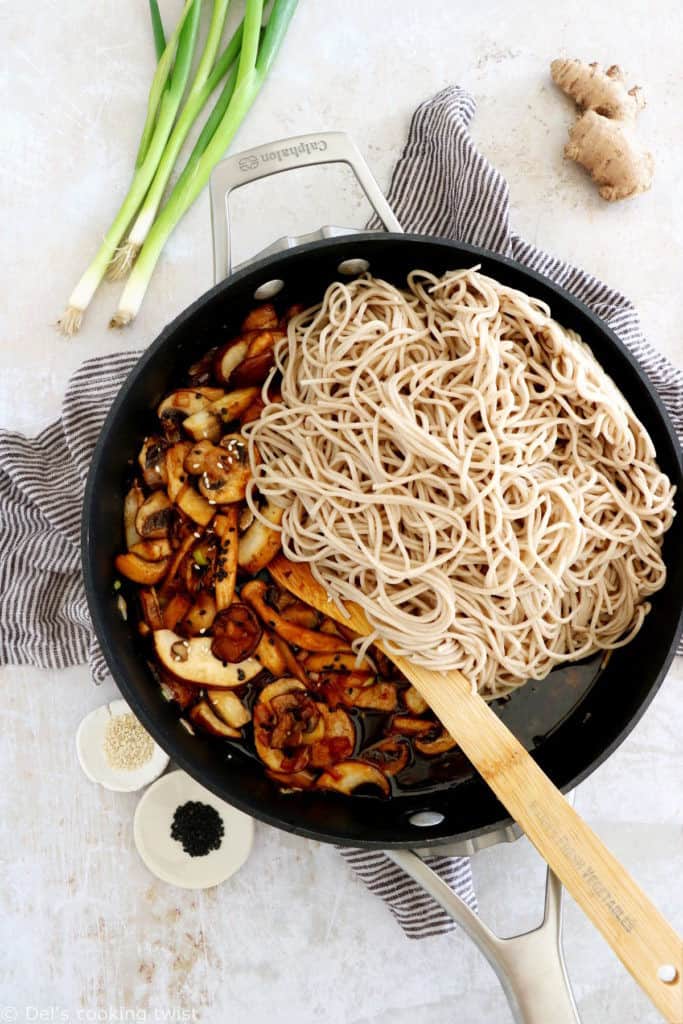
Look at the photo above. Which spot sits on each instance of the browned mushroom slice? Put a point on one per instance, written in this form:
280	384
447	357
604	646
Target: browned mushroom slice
225	576
253	411
204	425
173	689
180	490
414	701
261	318
236	633
202	715
231	406
376	697
141	571
408	726
199	373
348	776
253	370
270	655
223	470
390	755
132	502
442	742
292	780
152	460
292	663
290	313
338	741
263	341
254	593
228	357
259	544
192	661
303	615
286	723
152	550
188	401
154	516
151	612
176	610
200	617
229	707
339	661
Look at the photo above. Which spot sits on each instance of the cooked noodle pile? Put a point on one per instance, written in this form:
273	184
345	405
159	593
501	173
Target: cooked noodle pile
459	464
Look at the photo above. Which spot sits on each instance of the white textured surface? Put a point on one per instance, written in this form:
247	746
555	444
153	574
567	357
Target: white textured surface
293	936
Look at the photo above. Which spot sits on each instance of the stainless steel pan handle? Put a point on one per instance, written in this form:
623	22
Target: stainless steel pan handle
285	155
530	967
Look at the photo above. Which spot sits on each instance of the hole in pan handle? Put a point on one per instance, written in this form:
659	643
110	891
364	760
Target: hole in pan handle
284	155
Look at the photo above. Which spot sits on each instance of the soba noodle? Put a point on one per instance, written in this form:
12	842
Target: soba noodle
459	464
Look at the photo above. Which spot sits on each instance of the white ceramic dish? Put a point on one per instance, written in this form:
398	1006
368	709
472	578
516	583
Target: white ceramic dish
165	857
90	749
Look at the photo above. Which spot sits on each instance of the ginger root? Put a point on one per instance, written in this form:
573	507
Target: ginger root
603	139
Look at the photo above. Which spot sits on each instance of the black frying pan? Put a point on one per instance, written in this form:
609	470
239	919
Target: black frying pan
571	721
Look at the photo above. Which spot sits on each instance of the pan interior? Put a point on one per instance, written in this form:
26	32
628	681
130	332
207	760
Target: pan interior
571	721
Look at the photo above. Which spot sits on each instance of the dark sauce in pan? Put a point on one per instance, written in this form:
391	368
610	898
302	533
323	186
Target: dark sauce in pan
532	713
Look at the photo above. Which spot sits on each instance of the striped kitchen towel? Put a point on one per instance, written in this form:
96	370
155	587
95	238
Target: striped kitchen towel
441	186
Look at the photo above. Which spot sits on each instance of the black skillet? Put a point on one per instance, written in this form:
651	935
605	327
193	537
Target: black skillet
571	721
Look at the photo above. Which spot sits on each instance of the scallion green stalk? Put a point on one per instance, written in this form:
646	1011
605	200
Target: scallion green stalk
254	64
157	29
205	81
182	45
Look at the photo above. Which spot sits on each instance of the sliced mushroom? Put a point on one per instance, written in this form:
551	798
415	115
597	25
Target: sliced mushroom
294	666
254	593
151	612
180	490
439	745
263	341
177	562
173	690
152	550
348	776
188	401
141	571
192	661
340	661
338	741
175	611
290	781
294	310
223	470
154	516
236	633
200	618
132	502
225	578
228	358
259	544
254	410
270	654
261	318
414	701
303	615
390	755
152	460
204	425
408	726
231	406
286	723
253	370
199	373
229	707
377	697
203	716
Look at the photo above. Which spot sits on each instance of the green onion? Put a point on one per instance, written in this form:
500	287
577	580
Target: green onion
157	28
200	558
254	64
164	101
202	87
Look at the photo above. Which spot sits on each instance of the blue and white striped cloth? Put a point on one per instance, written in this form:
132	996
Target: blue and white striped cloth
442	185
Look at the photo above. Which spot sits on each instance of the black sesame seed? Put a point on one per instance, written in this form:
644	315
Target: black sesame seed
199	827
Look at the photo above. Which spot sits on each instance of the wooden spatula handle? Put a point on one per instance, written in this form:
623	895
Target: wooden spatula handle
637	932
640	936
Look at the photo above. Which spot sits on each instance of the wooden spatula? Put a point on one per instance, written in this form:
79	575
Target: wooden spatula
642	939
